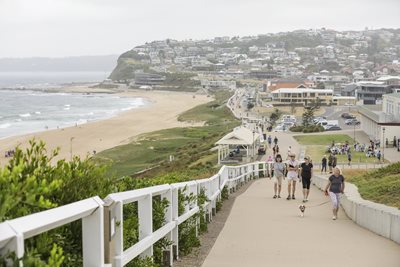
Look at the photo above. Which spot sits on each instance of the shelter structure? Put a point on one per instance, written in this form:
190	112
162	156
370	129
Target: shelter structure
238	145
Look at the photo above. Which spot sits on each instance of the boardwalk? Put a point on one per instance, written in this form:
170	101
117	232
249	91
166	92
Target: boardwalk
261	231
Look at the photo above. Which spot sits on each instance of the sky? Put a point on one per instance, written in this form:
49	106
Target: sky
60	28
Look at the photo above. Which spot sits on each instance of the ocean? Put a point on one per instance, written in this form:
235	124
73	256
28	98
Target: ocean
45	79
27	111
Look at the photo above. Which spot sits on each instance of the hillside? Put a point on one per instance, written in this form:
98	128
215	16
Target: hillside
381	186
303	52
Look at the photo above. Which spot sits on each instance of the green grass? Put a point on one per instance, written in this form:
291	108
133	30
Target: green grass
189	146
323	139
381	186
316	152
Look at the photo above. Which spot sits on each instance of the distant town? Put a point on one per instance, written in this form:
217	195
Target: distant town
283	69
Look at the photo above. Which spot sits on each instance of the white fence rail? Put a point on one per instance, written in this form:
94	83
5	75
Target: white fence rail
102	221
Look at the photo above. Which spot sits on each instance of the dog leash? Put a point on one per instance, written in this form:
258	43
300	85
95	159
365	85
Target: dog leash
323	203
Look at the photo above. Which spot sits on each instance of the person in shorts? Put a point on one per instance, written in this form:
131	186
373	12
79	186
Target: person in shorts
306	172
292	175
279	170
334	188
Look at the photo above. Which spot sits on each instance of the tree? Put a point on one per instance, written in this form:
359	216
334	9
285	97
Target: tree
308	116
33	182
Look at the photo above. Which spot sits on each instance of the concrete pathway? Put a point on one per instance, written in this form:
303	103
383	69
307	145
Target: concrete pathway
262	231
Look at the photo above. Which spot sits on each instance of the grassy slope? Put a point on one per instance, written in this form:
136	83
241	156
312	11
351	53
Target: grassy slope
381	186
188	145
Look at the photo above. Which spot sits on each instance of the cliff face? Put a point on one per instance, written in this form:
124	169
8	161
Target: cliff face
127	64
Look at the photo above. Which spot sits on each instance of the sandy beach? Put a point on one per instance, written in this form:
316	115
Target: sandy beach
83	139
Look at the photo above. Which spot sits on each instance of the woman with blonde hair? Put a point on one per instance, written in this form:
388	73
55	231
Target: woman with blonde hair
334	188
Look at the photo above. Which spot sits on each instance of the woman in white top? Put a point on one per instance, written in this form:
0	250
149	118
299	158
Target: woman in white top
292	175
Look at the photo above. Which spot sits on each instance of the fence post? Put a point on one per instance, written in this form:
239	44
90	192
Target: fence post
145	215
175	215
168	256
93	237
119	233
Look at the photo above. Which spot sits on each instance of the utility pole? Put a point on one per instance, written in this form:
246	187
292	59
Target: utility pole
384	143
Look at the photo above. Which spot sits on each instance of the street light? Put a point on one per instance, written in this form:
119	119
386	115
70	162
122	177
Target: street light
383	148
253	154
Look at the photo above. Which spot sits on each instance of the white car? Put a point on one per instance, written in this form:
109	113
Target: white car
279	128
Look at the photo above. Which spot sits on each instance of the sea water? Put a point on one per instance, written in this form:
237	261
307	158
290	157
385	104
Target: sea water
27	111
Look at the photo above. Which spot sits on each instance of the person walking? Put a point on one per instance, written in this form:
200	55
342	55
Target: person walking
275	140
349	157
269	140
334	161
378	155
292	176
279	170
306	172
289	151
334	188
330	161
324	161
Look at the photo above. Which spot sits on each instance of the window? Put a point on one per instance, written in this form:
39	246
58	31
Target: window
312	94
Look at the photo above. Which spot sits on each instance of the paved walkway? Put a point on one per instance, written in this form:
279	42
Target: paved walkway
261	231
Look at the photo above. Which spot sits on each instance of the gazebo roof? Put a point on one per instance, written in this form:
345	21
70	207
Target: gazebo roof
239	136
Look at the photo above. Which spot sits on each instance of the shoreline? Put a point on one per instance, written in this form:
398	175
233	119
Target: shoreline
84	139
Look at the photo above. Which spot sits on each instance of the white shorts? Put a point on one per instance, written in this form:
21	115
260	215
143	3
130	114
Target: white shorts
292	176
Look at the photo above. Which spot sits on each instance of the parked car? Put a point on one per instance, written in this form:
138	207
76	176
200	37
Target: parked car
262	150
352	122
347	116
333	128
318	119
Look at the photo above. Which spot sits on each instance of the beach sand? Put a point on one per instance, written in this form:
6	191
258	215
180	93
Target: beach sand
101	135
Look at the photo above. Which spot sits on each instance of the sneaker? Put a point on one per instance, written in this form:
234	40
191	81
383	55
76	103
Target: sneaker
304	201
293	197
275	196
288	198
334	218
279	196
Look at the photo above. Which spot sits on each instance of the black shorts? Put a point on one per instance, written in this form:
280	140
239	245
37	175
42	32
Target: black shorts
306	182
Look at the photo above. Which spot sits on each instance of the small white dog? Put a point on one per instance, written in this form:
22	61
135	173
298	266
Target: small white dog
302	210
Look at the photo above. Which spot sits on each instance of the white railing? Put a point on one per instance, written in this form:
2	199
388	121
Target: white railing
102	222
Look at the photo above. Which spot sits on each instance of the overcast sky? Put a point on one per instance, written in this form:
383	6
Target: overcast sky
57	28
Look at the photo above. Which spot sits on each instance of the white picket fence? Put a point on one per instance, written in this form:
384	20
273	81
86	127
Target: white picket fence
102	220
